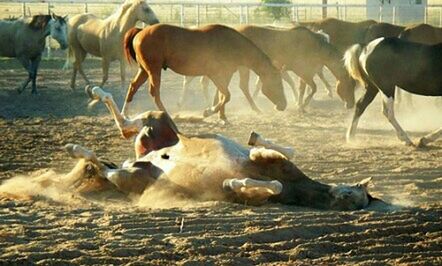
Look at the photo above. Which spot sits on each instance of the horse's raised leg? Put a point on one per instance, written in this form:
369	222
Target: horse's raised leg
286	77
327	85
256	140
253	190
244	77
127	127
361	105
186	83
134	85
430	137
388	111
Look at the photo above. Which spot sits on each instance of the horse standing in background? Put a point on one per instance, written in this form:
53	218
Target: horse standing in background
25	39
215	51
104	37
388	62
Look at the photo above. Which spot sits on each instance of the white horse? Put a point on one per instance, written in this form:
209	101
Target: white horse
25	39
104	37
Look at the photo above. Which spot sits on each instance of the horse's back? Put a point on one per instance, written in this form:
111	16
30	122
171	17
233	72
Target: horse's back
8	32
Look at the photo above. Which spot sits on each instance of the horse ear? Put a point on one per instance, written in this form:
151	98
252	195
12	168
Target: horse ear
366	182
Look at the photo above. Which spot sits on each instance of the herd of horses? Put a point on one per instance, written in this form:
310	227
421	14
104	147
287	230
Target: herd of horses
379	56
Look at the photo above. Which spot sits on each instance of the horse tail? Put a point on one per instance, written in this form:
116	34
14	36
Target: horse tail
351	62
69	55
128	47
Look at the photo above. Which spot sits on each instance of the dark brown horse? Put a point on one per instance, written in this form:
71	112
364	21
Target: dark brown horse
422	33
382	29
215	51
304	52
342	34
388	62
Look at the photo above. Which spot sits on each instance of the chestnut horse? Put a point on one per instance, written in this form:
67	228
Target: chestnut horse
215	51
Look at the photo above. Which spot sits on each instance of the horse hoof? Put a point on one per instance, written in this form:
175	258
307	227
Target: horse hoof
207	112
422	143
253	138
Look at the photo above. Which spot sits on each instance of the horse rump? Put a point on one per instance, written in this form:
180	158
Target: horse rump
128	47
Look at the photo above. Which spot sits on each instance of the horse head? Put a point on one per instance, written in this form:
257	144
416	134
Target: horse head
272	88
345	88
58	30
144	13
353	197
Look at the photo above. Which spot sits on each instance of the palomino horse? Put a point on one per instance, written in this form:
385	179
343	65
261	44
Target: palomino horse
215	51
208	167
342	34
26	39
388	62
104	37
304	52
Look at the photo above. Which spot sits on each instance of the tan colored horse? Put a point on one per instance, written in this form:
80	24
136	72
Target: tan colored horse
342	34
104	37
215	51
304	52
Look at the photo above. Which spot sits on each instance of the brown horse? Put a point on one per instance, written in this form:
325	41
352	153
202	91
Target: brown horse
422	33
342	34
304	52
382	29
215	51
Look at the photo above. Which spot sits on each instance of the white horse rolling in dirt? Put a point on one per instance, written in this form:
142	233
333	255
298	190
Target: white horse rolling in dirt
104	37
25	40
388	62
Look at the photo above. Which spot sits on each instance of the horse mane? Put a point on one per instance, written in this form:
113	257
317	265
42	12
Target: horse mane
122	9
39	22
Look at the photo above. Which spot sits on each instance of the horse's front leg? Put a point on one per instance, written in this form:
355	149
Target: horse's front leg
388	111
361	105
134	85
122	72
34	68
430	137
244	77
105	63
286	77
324	80
154	88
222	83
127	127
253	191
313	89
27	65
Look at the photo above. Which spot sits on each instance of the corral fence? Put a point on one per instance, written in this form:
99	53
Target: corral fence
187	13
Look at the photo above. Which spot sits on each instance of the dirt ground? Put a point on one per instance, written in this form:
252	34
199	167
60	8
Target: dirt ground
43	230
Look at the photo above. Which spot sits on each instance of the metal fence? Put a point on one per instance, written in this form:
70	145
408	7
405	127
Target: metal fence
195	14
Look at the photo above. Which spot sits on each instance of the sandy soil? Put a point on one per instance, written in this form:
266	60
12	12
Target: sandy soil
44	230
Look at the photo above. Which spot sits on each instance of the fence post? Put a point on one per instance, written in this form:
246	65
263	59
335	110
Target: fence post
394	15
198	15
247	14
23	9
440	16
381	15
182	15
293	13
425	15
240	15
86	9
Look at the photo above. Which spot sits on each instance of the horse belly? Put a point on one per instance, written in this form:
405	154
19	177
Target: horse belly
89	41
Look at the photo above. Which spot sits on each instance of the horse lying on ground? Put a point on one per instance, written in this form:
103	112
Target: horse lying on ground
388	62
25	39
208	167
215	51
104	37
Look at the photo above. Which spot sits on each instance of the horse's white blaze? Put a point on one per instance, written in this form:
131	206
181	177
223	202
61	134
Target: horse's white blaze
367	51
388	110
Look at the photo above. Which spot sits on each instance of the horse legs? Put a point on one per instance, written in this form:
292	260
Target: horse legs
34	68
154	87
122	72
327	85
258	87
105	63
302	86
127	127
79	56
388	110
286	77
361	105
186	83
134	85
244	77
312	86
205	85
430	137
222	84
253	190
26	63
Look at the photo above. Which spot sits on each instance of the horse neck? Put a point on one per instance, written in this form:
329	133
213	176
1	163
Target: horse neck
333	60
308	192
123	20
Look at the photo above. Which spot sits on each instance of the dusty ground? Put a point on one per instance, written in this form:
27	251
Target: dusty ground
33	129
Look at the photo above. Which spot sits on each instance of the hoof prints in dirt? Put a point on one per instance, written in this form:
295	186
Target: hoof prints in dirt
43	234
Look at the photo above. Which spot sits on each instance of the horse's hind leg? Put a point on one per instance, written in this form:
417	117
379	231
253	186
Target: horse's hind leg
105	64
244	77
252	190
186	83
302	86
388	111
205	86
286	77
134	85
313	88
27	65
361	105
430	137
79	56
222	83
327	85
34	68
